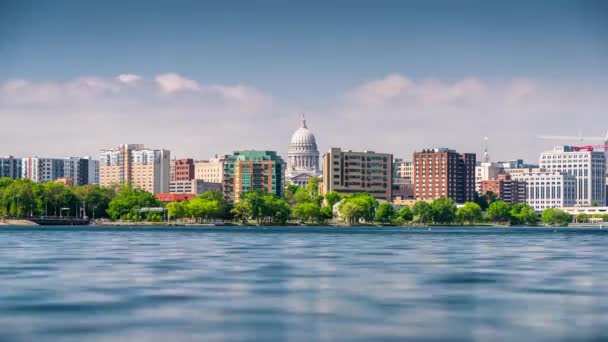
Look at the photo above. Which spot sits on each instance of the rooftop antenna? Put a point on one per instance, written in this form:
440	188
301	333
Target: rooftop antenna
486	155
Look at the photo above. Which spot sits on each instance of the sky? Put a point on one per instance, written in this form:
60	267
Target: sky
203	77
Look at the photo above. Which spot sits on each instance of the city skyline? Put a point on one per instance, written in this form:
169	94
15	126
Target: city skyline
201	79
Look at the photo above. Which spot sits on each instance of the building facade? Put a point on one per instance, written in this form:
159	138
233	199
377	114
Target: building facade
194	186
587	166
250	170
302	156
486	171
444	173
348	172
507	189
403	169
80	171
10	167
548	189
182	170
133	164
211	170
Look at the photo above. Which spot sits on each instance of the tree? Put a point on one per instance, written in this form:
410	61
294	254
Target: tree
523	214
302	196
552	216
582	218
96	199
423	212
290	191
177	210
406	213
313	186
307	212
332	198
242	211
352	212
470	212
499	211
444	210
128	201
385	212
327	213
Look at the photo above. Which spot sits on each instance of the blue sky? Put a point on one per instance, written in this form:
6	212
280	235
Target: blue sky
308	54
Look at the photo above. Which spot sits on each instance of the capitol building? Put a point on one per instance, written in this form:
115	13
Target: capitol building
302	156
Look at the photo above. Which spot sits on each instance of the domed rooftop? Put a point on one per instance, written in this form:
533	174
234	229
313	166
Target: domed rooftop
303	136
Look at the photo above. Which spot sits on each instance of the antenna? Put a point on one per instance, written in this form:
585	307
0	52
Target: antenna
303	121
486	155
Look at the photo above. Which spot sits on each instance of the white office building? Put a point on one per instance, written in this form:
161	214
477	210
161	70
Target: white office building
547	189
587	166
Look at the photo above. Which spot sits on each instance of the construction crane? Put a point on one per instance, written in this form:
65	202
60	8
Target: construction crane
590	147
580	137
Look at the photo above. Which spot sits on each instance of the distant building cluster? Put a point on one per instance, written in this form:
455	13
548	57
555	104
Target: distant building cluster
565	177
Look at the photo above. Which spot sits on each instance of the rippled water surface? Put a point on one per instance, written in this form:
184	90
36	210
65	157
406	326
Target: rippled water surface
303	284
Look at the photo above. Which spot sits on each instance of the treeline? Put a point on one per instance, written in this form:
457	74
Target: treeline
22	197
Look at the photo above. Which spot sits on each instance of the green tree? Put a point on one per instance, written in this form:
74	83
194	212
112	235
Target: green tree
352	211
290	191
307	212
95	199
327	213
499	211
582	218
523	214
406	213
444	210
552	216
242	211
177	210
332	198
129	201
385	212
302	196
313	186
470	212
423	212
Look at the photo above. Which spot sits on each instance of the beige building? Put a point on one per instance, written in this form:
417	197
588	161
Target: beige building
211	170
349	172
404	169
147	169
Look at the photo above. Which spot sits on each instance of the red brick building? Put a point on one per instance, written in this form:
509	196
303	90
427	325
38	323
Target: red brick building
182	170
166	198
505	188
444	173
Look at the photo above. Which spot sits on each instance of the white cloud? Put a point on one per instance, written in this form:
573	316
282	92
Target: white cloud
395	113
171	83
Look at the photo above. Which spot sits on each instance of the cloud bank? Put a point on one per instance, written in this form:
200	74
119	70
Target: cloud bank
393	113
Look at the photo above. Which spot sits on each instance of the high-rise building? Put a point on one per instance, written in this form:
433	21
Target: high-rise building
586	165
348	172
547	189
250	170
211	170
147	169
507	189
80	171
182	170
302	156
444	173
486	171
10	167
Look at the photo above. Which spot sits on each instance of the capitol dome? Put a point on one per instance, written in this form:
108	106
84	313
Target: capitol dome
302	156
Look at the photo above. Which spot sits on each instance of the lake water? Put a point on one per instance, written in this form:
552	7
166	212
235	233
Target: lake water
303	284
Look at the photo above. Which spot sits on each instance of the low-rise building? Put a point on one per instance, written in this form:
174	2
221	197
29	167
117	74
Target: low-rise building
348	172
195	186
167	198
181	170
507	189
211	170
486	171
